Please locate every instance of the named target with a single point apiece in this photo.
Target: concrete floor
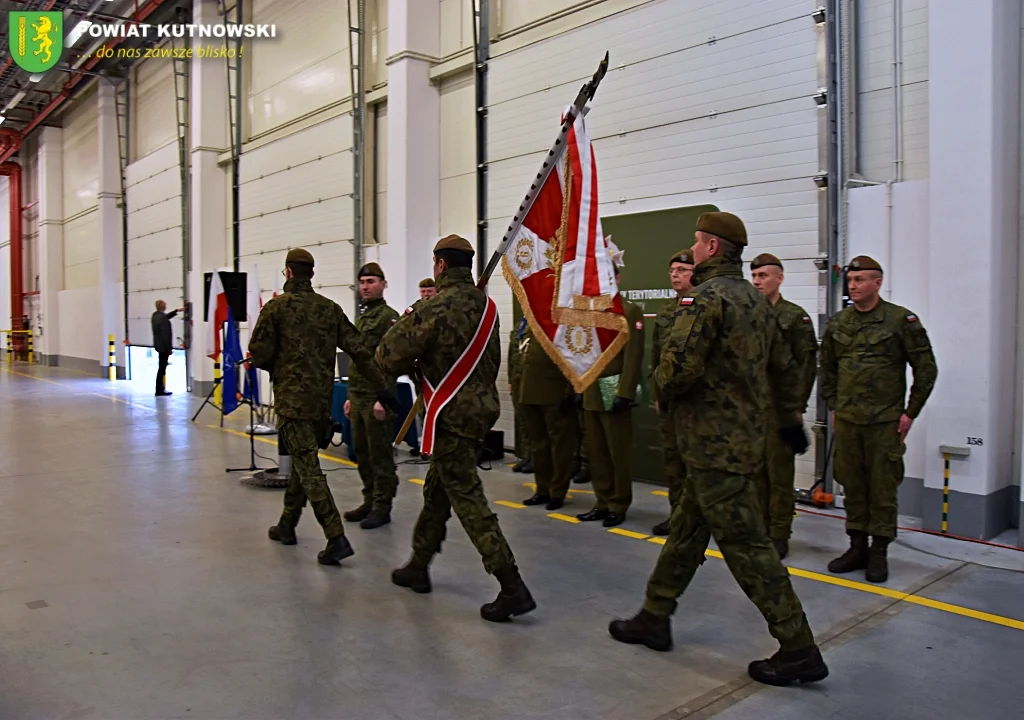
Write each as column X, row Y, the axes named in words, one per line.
column 138, row 582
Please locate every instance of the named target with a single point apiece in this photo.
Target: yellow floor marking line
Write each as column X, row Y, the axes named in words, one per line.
column 660, row 493
column 628, row 533
column 268, row 441
column 509, row 503
column 564, row 518
column 418, row 481
column 656, row 540
column 533, row 486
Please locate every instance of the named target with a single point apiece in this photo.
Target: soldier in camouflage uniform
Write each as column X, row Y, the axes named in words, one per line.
column 515, row 380
column 610, row 430
column 680, row 271
column 373, row 427
column 429, row 339
column 294, row 340
column 776, row 480
column 723, row 358
column 864, row 356
column 427, row 288
column 548, row 404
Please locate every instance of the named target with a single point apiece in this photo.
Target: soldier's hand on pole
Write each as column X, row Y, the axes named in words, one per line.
column 348, row 409
column 621, row 404
column 795, row 438
column 388, row 399
column 378, row 411
column 905, row 423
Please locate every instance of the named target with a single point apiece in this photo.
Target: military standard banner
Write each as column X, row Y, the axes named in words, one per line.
column 560, row 266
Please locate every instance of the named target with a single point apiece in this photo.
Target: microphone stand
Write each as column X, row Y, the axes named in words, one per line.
column 252, row 427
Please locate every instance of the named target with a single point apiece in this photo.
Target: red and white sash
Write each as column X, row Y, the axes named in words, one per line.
column 452, row 382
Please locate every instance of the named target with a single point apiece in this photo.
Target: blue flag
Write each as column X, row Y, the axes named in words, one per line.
column 232, row 356
column 251, row 388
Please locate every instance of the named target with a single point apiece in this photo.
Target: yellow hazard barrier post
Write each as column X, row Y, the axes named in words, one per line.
column 112, row 359
column 31, row 349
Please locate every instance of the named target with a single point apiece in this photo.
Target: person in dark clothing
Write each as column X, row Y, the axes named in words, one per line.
column 162, row 341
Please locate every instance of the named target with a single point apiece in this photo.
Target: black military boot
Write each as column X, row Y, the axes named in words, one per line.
column 784, row 668
column 782, row 548
column 878, row 562
column 527, row 468
column 537, row 499
column 661, row 528
column 644, row 628
column 582, row 477
column 283, row 533
column 360, row 513
column 518, row 467
column 376, row 518
column 514, row 598
column 338, row 548
column 856, row 558
column 414, row 576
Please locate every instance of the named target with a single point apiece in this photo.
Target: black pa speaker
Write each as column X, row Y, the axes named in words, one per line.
column 234, row 287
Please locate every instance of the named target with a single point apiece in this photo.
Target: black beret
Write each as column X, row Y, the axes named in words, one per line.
column 763, row 260
column 683, row 256
column 371, row 270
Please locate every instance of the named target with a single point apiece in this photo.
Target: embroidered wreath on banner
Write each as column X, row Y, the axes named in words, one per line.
column 579, row 340
column 524, row 253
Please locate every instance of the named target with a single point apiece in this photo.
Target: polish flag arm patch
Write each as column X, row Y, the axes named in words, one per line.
column 806, row 319
column 408, row 310
column 686, row 301
column 911, row 318
column 639, row 325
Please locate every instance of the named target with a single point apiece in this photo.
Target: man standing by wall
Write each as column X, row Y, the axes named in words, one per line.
column 462, row 405
column 548, row 404
column 776, row 482
column 294, row 340
column 163, row 342
column 721, row 361
column 680, row 272
column 608, row 418
column 372, row 425
column 864, row 356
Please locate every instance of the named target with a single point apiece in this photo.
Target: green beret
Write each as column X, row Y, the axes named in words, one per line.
column 683, row 256
column 724, row 225
column 371, row 270
column 763, row 260
column 863, row 262
column 427, row 282
column 455, row 242
column 300, row 256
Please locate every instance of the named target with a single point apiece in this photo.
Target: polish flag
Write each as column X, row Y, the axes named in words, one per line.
column 216, row 316
column 560, row 267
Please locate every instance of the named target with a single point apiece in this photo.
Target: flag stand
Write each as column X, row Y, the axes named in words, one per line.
column 252, row 435
column 216, row 384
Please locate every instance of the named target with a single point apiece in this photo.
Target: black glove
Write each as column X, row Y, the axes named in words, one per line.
column 569, row 403
column 579, row 401
column 795, row 438
column 621, row 404
column 389, row 400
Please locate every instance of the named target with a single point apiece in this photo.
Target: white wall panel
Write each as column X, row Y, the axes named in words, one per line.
column 458, row 157
column 456, row 26
column 377, row 34
column 297, row 192
column 513, row 14
column 80, row 157
column 381, row 208
column 80, row 323
column 875, row 102
column 154, row 241
column 153, row 107
column 82, row 251
column 678, row 121
column 304, row 68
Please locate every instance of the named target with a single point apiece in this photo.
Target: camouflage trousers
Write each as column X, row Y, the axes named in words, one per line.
column 307, row 480
column 372, row 441
column 675, row 468
column 775, row 486
column 609, row 443
column 869, row 466
column 521, row 439
column 724, row 506
column 452, row 483
column 553, row 437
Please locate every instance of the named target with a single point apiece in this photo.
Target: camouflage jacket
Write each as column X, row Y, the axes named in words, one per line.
column 513, row 364
column 432, row 335
column 864, row 358
column 375, row 321
column 295, row 339
column 798, row 331
column 721, row 362
column 629, row 362
column 543, row 382
column 663, row 322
